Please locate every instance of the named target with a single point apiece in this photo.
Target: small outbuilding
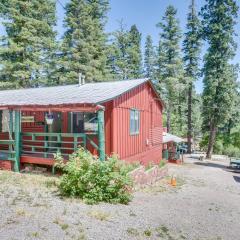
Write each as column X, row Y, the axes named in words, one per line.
column 171, row 147
column 122, row 117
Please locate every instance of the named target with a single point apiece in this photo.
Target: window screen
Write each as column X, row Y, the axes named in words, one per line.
column 134, row 121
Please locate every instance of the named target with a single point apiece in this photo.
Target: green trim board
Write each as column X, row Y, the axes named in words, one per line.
column 101, row 135
column 17, row 141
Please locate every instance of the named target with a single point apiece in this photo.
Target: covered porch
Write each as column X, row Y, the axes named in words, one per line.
column 33, row 134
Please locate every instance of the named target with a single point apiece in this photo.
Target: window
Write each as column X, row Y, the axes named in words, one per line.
column 82, row 122
column 76, row 122
column 5, row 121
column 134, row 121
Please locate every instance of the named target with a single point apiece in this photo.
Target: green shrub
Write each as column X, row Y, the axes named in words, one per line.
column 94, row 181
column 232, row 151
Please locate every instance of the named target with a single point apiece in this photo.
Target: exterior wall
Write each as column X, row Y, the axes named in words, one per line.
column 147, row 145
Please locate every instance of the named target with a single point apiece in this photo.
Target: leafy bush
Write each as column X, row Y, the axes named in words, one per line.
column 162, row 163
column 232, row 151
column 93, row 180
column 218, row 147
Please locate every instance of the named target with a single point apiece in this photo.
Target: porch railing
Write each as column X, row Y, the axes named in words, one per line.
column 46, row 144
column 7, row 150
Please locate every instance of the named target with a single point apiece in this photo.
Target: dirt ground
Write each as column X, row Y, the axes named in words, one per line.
column 205, row 205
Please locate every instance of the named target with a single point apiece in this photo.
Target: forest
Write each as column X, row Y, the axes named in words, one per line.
column 32, row 56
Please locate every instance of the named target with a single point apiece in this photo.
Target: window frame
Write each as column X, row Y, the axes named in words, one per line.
column 134, row 121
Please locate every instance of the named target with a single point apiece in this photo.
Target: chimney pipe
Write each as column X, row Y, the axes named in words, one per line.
column 79, row 79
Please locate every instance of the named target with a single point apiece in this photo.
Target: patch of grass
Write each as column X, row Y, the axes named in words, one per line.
column 163, row 232
column 133, row 231
column 20, row 212
column 64, row 226
column 81, row 237
column 33, row 235
column 50, row 183
column 99, row 215
column 147, row 233
column 183, row 237
column 162, row 163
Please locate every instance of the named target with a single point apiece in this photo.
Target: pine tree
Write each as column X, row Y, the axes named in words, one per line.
column 149, row 59
column 118, row 57
column 26, row 47
column 84, row 43
column 170, row 62
column 218, row 20
column 191, row 48
column 125, row 58
column 134, row 53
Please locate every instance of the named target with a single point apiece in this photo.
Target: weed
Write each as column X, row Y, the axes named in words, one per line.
column 147, row 233
column 33, row 234
column 50, row 183
column 132, row 231
column 20, row 212
column 99, row 215
column 183, row 237
column 162, row 163
column 64, row 226
column 59, row 222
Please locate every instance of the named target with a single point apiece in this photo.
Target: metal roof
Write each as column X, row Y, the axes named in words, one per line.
column 167, row 137
column 89, row 93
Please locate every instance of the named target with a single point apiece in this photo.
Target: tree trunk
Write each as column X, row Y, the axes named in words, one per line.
column 180, row 113
column 189, row 136
column 211, row 141
column 168, row 119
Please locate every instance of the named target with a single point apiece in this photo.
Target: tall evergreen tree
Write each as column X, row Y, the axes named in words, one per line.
column 171, row 71
column 149, row 59
column 218, row 20
column 119, row 59
column 125, row 58
column 26, row 48
column 84, row 43
column 191, row 48
column 134, row 52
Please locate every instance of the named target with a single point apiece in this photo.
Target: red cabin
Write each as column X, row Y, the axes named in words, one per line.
column 122, row 117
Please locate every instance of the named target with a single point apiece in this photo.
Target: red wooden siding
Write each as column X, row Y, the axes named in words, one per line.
column 147, row 145
column 144, row 147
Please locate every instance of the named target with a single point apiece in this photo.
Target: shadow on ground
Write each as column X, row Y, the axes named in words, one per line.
column 207, row 164
column 236, row 178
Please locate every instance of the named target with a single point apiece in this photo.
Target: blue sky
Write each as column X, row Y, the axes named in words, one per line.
column 145, row 14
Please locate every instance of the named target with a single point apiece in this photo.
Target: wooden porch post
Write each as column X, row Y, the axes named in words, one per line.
column 10, row 123
column 101, row 135
column 17, row 141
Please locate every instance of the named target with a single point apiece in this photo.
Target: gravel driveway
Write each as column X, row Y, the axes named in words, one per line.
column 204, row 206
